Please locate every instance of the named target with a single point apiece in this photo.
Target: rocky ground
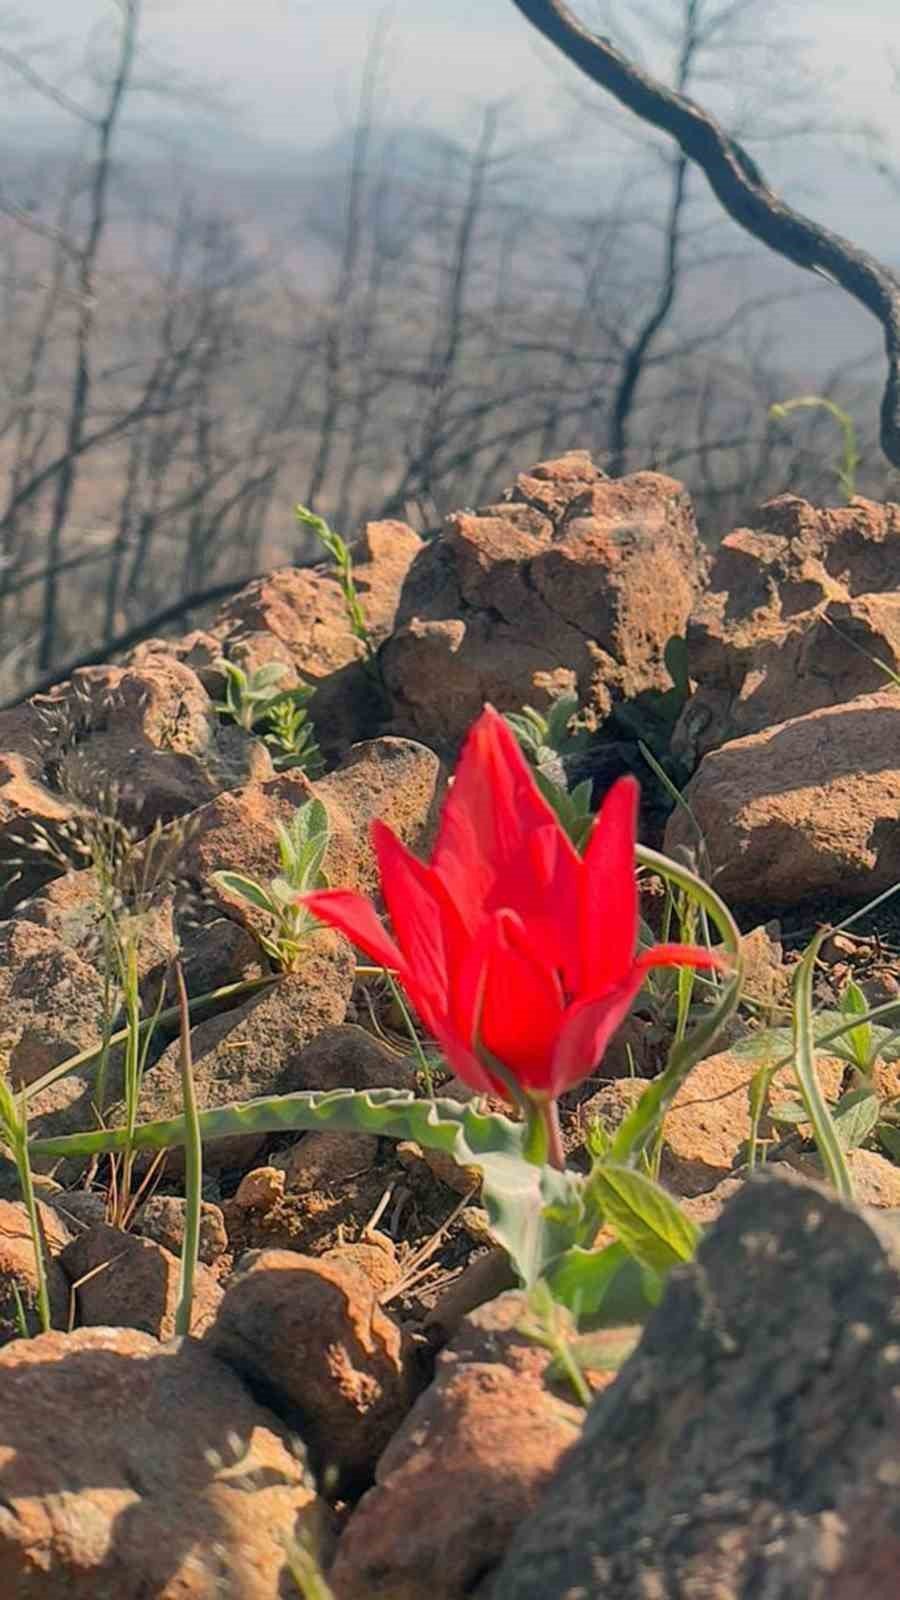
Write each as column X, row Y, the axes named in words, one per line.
column 358, row 1380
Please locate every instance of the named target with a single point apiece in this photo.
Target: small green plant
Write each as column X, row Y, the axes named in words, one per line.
column 550, row 740
column 257, row 705
column 845, row 471
column 302, row 847
column 339, row 551
column 14, row 1134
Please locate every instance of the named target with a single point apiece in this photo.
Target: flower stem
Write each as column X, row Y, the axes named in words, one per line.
column 556, row 1155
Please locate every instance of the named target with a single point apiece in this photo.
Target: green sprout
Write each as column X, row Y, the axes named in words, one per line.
column 850, row 458
column 253, row 701
column 301, row 848
column 341, row 556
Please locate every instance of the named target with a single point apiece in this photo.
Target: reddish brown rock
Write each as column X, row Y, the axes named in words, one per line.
column 124, row 1281
column 875, row 1179
column 326, row 1157
column 349, row 1057
column 162, row 1219
column 310, row 1332
column 18, row 1269
column 298, row 614
column 465, row 1470
column 256, row 1049
column 807, row 807
column 393, row 779
column 796, row 609
column 571, row 568
column 128, row 1471
column 708, row 1123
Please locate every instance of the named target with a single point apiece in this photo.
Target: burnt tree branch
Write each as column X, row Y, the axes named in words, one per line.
column 738, row 185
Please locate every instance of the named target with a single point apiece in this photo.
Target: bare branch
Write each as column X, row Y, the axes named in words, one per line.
column 738, row 185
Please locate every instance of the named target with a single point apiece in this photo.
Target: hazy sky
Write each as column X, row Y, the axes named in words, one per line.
column 293, row 67
column 292, row 63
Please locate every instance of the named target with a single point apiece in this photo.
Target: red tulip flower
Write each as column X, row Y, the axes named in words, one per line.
column 518, row 954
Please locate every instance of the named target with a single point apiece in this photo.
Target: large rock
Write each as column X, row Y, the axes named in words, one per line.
column 573, row 570
column 309, row 1334
column 297, row 615
column 130, row 1470
column 143, row 742
column 256, row 1049
column 797, row 607
column 397, row 780
column 751, row 1445
column 804, row 808
column 464, row 1471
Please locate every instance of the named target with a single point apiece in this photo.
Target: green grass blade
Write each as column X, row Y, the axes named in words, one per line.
column 193, row 1168
column 824, row 1131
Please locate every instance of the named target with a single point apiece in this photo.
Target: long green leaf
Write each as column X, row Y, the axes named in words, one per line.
column 516, row 1194
column 640, row 1126
column 824, row 1131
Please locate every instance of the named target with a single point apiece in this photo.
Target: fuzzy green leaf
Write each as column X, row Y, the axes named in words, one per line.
column 247, row 889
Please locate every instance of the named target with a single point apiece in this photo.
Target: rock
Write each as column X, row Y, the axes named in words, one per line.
column 260, row 1189
column 29, row 816
column 162, row 1219
column 51, row 1003
column 796, row 608
column 309, row 1334
column 393, row 779
column 124, row 1281
column 482, row 1279
column 326, row 1157
column 298, row 614
column 349, row 1057
column 443, row 1166
column 572, row 567
column 876, row 1180
column 465, row 1470
column 118, row 1478
column 751, row 1445
column 396, row 780
column 708, row 1122
column 79, row 1208
column 802, row 808
column 254, row 1050
column 18, row 1269
column 375, row 1257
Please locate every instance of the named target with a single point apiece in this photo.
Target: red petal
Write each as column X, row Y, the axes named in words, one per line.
column 425, row 921
column 680, row 955
column 354, row 915
column 522, row 1002
column 493, row 808
column 609, row 895
column 587, row 1029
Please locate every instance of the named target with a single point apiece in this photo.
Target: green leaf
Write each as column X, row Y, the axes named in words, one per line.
column 854, row 1004
column 649, row 1222
column 856, row 1117
column 824, row 1131
column 265, row 677
column 247, row 889
column 602, row 1288
column 789, row 1112
column 515, row 1193
column 599, row 1352
column 889, row 1138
